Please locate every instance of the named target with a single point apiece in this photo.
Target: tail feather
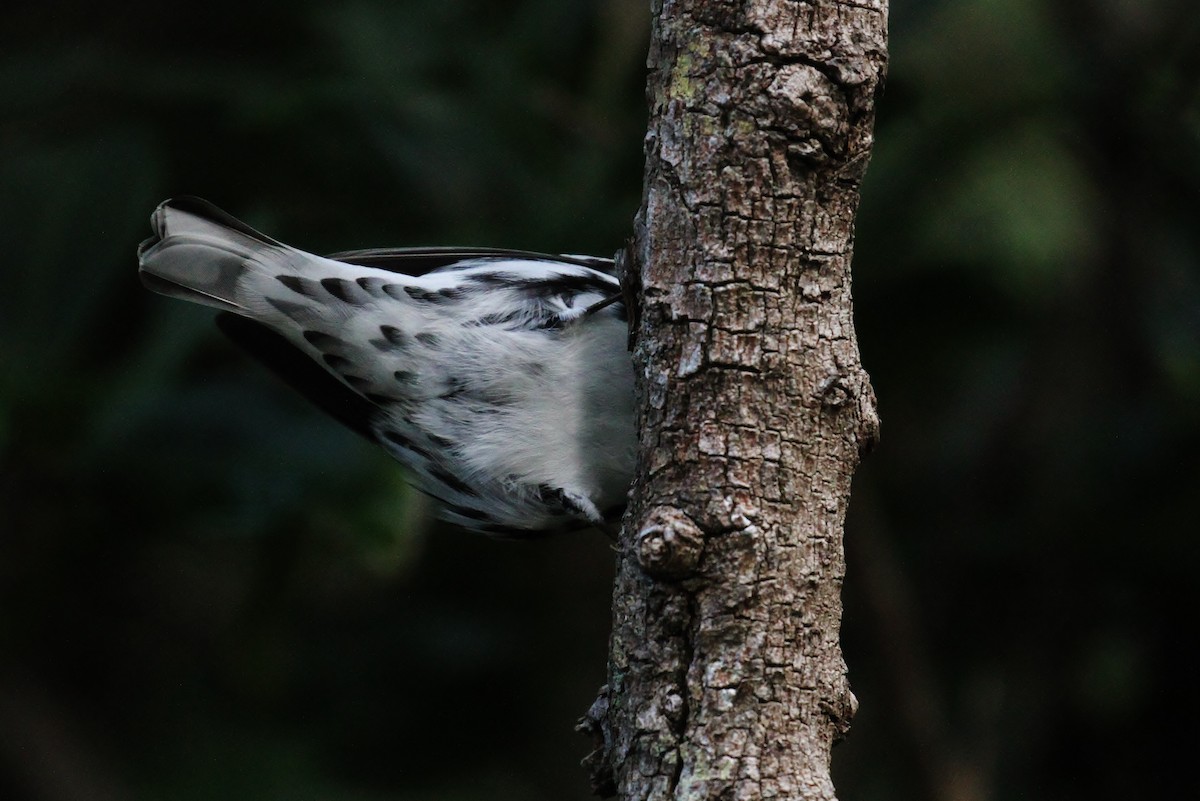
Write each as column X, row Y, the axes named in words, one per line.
column 199, row 253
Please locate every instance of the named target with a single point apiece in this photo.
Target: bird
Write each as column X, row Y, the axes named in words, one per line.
column 501, row 379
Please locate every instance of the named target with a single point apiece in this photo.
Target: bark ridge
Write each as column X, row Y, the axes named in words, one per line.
column 726, row 678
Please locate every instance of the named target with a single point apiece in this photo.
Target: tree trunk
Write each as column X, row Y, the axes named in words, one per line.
column 726, row 678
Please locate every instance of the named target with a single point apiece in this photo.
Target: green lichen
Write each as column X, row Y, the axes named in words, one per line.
column 683, row 84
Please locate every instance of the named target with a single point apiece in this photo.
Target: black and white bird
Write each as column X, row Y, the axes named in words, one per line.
column 499, row 378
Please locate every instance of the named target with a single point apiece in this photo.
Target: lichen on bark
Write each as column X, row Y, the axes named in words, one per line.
column 726, row 678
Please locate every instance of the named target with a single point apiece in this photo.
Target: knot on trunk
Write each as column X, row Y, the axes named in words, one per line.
column 812, row 109
column 669, row 544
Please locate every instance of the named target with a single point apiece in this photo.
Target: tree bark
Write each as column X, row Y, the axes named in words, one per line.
column 726, row 678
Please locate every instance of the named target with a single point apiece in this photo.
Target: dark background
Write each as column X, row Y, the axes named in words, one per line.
column 209, row 591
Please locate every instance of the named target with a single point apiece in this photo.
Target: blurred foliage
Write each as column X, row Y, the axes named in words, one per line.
column 207, row 590
column 1028, row 300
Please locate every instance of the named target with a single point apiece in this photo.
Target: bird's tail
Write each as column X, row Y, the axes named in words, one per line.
column 199, row 253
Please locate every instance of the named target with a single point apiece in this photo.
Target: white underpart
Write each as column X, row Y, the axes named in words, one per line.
column 508, row 410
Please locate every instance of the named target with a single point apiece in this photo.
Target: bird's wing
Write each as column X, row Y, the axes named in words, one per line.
column 424, row 260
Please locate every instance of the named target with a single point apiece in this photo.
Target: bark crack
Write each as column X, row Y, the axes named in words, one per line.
column 726, row 678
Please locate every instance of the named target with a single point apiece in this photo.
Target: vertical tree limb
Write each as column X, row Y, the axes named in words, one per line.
column 726, row 677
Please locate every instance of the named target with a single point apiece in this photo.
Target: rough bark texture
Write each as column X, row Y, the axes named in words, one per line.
column 726, row 678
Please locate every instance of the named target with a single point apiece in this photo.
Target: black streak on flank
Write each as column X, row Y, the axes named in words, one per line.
column 498, row 318
column 321, row 341
column 428, row 339
column 339, row 288
column 295, row 283
column 338, row 363
column 396, row 437
column 393, row 335
column 454, row 386
column 404, row 442
column 393, row 339
column 433, row 296
column 370, row 284
column 403, row 376
column 467, row 512
column 452, row 481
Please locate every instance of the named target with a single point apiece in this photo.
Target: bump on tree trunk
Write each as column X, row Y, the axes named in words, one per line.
column 726, row 678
